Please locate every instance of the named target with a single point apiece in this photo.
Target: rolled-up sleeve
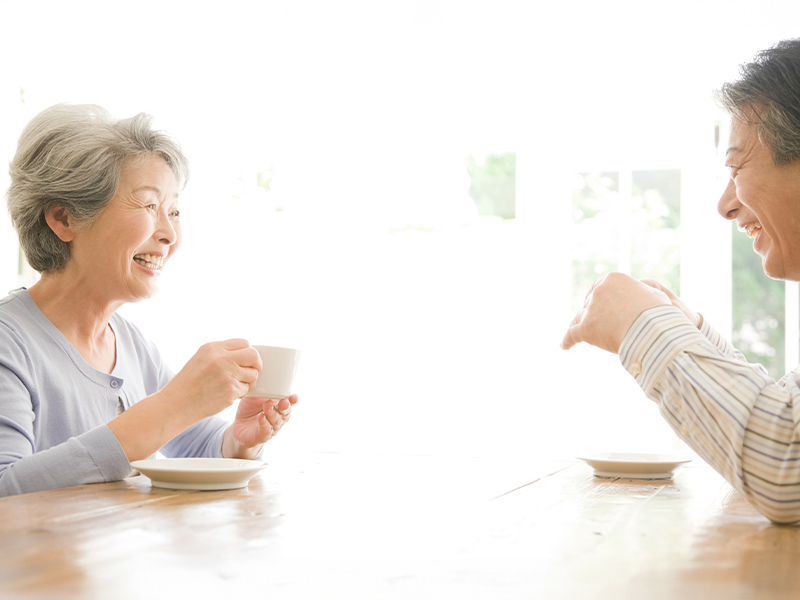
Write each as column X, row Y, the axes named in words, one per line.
column 741, row 421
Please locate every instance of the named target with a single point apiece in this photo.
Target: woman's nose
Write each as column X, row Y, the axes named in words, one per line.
column 166, row 233
column 729, row 205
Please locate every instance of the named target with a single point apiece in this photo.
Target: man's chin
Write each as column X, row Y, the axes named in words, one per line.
column 776, row 272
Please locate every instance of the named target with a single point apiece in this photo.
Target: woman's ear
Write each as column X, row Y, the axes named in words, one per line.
column 60, row 222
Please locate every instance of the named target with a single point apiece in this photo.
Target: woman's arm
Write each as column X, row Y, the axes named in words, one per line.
column 45, row 452
column 213, row 379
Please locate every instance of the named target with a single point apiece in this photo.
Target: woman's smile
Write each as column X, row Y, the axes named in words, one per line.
column 151, row 262
column 135, row 234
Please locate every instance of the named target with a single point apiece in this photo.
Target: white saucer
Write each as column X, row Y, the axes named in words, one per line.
column 633, row 466
column 198, row 473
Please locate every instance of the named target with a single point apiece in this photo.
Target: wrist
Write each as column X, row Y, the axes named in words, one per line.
column 231, row 448
column 146, row 426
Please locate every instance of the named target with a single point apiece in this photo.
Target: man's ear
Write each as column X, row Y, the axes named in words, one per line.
column 60, row 221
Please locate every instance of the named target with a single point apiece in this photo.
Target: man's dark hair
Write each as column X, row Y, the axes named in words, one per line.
column 767, row 95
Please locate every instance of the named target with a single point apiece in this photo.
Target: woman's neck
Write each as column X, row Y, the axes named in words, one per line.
column 80, row 314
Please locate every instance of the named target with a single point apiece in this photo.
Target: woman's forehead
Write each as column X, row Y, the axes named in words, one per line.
column 149, row 173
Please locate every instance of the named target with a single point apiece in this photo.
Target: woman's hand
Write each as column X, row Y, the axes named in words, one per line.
column 214, row 378
column 257, row 421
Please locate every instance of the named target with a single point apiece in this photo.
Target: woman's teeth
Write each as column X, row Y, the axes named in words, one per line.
column 150, row 261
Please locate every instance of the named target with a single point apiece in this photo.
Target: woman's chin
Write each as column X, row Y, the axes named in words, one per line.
column 143, row 293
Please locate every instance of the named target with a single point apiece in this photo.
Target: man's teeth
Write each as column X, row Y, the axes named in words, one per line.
column 752, row 230
column 149, row 260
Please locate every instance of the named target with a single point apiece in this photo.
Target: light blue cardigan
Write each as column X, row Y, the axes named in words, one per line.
column 54, row 407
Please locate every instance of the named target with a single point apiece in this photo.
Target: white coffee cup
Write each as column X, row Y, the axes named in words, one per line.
column 277, row 375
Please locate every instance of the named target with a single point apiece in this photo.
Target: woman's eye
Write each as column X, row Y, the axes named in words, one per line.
column 175, row 214
column 151, row 207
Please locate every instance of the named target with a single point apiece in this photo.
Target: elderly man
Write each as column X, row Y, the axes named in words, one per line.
column 730, row 412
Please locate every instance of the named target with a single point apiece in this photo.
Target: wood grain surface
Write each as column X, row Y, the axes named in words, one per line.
column 369, row 526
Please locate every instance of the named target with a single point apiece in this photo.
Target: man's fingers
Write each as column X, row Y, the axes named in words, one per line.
column 572, row 336
column 567, row 342
column 596, row 282
column 660, row 287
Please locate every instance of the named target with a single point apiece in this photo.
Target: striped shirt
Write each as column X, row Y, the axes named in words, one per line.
column 729, row 411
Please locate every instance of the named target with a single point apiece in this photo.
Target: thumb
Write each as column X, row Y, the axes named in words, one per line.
column 573, row 334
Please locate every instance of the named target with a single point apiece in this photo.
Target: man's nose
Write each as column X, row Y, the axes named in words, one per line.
column 729, row 205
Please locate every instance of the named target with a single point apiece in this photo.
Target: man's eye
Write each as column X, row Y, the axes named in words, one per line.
column 175, row 214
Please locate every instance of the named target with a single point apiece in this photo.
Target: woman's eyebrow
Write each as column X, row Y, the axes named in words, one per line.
column 150, row 188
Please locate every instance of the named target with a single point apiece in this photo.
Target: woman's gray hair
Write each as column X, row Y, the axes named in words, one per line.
column 71, row 155
column 770, row 88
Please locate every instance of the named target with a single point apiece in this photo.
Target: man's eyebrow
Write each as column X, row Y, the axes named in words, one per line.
column 731, row 149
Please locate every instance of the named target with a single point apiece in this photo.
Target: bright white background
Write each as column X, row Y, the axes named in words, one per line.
column 424, row 328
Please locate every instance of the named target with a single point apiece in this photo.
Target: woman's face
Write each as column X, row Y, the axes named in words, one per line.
column 125, row 249
column 764, row 199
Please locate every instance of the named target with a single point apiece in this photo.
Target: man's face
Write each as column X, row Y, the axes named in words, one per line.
column 764, row 198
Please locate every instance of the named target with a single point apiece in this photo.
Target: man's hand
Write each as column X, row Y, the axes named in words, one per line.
column 610, row 308
column 694, row 317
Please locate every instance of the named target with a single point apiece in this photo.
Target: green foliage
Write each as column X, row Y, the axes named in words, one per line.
column 758, row 309
column 493, row 184
column 659, row 194
column 264, row 178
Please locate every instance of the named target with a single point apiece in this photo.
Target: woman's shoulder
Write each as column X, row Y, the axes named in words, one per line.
column 128, row 332
column 15, row 314
column 14, row 302
column 125, row 326
column 22, row 331
column 132, row 339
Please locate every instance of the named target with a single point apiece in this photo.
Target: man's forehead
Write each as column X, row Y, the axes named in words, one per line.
column 742, row 137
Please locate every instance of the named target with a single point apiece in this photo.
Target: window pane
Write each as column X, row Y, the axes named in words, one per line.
column 655, row 244
column 595, row 247
column 758, row 309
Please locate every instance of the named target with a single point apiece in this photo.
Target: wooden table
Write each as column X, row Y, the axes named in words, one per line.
column 408, row 527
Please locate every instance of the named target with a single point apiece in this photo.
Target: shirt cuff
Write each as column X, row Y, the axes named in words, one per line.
column 656, row 337
column 108, row 456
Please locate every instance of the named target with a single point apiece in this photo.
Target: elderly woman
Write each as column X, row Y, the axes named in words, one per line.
column 94, row 201
column 730, row 412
